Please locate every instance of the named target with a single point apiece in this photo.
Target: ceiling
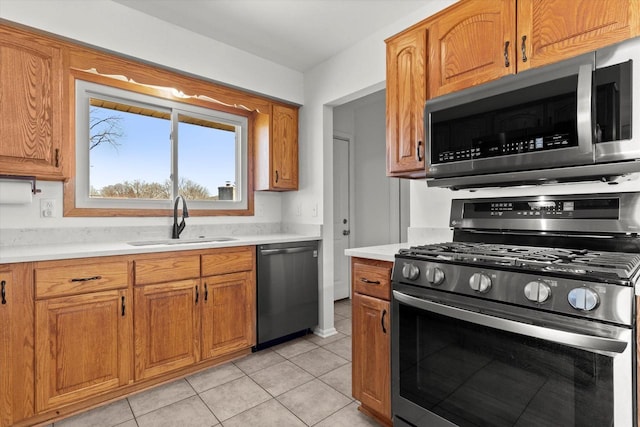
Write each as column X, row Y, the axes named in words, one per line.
column 298, row 34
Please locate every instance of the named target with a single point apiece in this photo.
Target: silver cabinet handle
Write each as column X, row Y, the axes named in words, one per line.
column 571, row 339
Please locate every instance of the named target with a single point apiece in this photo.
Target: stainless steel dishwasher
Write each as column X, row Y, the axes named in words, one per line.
column 287, row 291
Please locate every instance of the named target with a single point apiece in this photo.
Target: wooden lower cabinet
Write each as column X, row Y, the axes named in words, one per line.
column 83, row 329
column 16, row 343
column 371, row 337
column 83, row 346
column 166, row 327
column 228, row 313
column 372, row 353
column 76, row 333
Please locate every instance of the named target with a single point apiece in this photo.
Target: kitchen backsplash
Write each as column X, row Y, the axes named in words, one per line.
column 44, row 236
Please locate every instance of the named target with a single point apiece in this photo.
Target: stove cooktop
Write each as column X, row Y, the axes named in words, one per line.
column 598, row 264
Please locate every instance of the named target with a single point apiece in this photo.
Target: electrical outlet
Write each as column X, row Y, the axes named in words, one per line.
column 47, row 208
column 314, row 210
column 298, row 209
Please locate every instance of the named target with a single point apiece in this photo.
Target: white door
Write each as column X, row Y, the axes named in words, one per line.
column 341, row 220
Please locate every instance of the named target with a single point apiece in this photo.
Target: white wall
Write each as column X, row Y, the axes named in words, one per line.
column 115, row 27
column 375, row 197
column 353, row 73
column 111, row 26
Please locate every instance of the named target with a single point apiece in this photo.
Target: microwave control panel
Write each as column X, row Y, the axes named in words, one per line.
column 502, row 145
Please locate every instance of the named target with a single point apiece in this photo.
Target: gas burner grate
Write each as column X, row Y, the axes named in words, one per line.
column 573, row 261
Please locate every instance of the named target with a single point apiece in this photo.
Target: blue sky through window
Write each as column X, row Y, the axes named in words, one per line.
column 206, row 155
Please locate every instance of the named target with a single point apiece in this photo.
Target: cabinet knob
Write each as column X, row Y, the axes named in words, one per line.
column 523, row 47
column 3, row 285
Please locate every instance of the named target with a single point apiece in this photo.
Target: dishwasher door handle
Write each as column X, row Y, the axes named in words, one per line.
column 295, row 250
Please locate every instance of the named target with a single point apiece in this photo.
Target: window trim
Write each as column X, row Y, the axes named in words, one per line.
column 157, row 97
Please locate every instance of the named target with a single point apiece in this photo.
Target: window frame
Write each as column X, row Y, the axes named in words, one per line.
column 161, row 98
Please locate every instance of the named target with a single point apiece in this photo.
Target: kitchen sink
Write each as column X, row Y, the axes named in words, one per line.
column 181, row 241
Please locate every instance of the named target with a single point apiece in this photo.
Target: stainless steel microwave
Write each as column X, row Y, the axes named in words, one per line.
column 568, row 121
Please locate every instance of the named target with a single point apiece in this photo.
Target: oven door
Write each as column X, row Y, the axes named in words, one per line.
column 454, row 364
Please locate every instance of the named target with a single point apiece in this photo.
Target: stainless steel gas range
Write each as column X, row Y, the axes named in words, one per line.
column 526, row 318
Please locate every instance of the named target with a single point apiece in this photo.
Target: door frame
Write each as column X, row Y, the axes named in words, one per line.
column 348, row 138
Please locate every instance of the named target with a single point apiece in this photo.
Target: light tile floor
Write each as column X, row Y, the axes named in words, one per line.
column 304, row 382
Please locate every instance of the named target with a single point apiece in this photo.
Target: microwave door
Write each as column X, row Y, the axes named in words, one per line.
column 539, row 119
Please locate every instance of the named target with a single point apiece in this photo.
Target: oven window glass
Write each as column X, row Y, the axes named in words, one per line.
column 473, row 375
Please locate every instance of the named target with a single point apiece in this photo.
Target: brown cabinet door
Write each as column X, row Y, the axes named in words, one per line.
column 406, row 94
column 30, row 106
column 472, row 43
column 83, row 346
column 284, row 149
column 372, row 353
column 167, row 327
column 16, row 344
column 554, row 30
column 228, row 316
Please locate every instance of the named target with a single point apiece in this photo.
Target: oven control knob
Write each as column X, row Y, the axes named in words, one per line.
column 435, row 275
column 410, row 271
column 584, row 299
column 480, row 282
column 537, row 291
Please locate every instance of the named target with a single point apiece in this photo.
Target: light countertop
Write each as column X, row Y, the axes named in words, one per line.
column 27, row 253
column 381, row 253
column 420, row 236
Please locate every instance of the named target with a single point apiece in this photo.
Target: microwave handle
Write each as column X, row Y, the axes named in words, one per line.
column 584, row 108
column 602, row 345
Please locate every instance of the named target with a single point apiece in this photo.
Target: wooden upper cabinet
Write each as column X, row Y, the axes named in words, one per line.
column 474, row 42
column 471, row 43
column 552, row 30
column 285, row 148
column 276, row 149
column 406, row 95
column 30, row 106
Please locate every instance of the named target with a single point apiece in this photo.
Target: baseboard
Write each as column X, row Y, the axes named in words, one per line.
column 324, row 333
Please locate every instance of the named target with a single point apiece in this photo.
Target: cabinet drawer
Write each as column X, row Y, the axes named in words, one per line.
column 371, row 277
column 228, row 260
column 166, row 268
column 79, row 276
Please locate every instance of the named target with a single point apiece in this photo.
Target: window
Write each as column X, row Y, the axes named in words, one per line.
column 136, row 151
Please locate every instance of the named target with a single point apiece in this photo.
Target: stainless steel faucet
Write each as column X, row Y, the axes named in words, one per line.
column 177, row 228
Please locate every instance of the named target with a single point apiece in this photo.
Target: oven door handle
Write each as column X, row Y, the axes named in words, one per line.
column 590, row 343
